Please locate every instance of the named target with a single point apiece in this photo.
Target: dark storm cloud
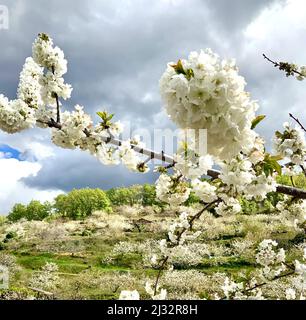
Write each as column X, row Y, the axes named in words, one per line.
column 117, row 51
column 80, row 170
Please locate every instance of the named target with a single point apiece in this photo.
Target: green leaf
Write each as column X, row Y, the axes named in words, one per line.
column 102, row 115
column 276, row 158
column 278, row 135
column 179, row 69
column 278, row 168
column 110, row 117
column 189, row 74
column 257, row 120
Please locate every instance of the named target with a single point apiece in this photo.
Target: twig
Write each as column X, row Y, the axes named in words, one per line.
column 164, row 261
column 282, row 66
column 298, row 121
column 191, row 221
column 264, row 283
column 58, row 114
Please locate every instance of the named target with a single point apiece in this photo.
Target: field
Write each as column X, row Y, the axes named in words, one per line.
column 106, row 252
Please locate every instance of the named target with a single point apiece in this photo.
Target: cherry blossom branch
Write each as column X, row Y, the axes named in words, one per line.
column 291, row 191
column 179, row 236
column 284, row 66
column 265, row 283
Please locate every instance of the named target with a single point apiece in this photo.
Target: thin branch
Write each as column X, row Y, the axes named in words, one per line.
column 291, row 191
column 191, row 222
column 264, row 283
column 304, row 169
column 282, row 66
column 164, row 261
column 298, row 121
column 58, row 113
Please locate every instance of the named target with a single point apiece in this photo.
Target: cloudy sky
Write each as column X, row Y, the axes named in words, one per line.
column 117, row 51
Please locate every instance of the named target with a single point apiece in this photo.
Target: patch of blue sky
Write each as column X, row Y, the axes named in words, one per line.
column 8, row 152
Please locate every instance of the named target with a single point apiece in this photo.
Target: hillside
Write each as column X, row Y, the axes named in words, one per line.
column 104, row 253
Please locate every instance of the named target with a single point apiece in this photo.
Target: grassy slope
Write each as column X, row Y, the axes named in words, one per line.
column 82, row 259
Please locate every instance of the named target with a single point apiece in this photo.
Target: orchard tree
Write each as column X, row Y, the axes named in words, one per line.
column 200, row 92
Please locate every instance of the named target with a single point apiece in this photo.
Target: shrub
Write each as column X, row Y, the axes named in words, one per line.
column 149, row 196
column 2, row 220
column 18, row 212
column 81, row 203
column 34, row 211
column 143, row 195
column 125, row 196
column 37, row 210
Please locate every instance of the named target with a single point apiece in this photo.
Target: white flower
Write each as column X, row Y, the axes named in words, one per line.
column 29, row 88
column 204, row 190
column 290, row 294
column 160, row 294
column 291, row 144
column 229, row 206
column 15, row 115
column 169, row 190
column 49, row 57
column 129, row 295
column 204, row 92
column 108, row 155
column 270, row 259
column 72, row 130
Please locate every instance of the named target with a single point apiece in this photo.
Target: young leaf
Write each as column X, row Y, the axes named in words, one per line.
column 257, row 120
column 179, row 69
column 276, row 158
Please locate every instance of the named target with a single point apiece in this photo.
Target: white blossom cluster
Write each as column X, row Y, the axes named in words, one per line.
column 293, row 212
column 270, row 259
column 177, row 230
column 29, row 89
column 72, row 133
column 160, row 294
column 47, row 278
column 239, row 174
column 204, row 190
column 53, row 60
column 273, row 265
column 228, row 206
column 129, row 295
column 172, row 189
column 291, row 144
column 204, row 92
column 15, row 115
column 36, row 89
column 48, row 56
column 190, row 164
column 299, row 281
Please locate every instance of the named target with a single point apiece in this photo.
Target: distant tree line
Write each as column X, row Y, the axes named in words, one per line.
column 79, row 204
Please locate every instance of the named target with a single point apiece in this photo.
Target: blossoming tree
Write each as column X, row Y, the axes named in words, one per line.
column 201, row 92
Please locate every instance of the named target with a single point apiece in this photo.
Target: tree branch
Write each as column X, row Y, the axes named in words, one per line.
column 285, row 66
column 265, row 283
column 58, row 113
column 291, row 191
column 191, row 222
column 298, row 121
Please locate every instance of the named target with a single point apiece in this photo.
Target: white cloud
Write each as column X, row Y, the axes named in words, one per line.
column 277, row 31
column 12, row 190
